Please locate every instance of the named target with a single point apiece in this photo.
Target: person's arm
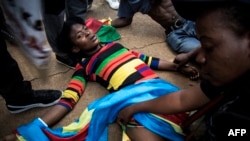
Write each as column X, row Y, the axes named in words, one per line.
column 156, row 63
column 167, row 65
column 183, row 58
column 187, row 70
column 71, row 95
column 54, row 115
column 181, row 101
column 159, row 64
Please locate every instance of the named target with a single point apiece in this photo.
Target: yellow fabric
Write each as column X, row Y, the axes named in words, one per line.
column 20, row 138
column 83, row 121
column 125, row 136
column 176, row 127
column 106, row 21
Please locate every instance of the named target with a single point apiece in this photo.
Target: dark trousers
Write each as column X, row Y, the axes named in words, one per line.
column 54, row 19
column 12, row 86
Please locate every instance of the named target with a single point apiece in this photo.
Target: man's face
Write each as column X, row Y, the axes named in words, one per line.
column 224, row 55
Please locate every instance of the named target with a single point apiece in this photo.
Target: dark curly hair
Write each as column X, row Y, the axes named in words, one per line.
column 64, row 42
column 235, row 12
column 236, row 16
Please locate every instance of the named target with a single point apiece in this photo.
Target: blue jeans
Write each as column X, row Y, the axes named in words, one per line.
column 183, row 39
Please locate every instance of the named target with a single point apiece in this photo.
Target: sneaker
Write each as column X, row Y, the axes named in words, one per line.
column 67, row 61
column 39, row 98
column 121, row 22
column 114, row 4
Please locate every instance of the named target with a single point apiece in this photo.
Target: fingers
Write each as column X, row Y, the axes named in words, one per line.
column 190, row 71
column 194, row 77
column 194, row 74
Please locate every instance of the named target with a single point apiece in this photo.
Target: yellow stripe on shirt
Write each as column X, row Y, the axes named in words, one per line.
column 123, row 73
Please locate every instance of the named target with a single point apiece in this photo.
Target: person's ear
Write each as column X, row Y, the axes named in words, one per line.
column 75, row 49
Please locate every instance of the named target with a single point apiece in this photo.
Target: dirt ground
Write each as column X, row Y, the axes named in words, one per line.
column 143, row 35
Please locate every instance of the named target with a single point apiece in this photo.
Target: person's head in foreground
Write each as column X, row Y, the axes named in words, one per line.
column 223, row 27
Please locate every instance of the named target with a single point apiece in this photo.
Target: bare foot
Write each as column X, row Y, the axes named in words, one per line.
column 190, row 71
column 11, row 137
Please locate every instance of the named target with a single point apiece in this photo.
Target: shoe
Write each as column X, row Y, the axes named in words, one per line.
column 67, row 61
column 121, row 22
column 114, row 4
column 39, row 98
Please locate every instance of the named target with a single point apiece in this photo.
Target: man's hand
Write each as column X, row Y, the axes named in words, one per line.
column 181, row 59
column 190, row 72
column 125, row 115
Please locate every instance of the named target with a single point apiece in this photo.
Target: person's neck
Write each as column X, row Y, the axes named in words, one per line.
column 91, row 52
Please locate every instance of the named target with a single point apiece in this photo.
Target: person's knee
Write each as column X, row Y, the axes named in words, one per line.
column 181, row 43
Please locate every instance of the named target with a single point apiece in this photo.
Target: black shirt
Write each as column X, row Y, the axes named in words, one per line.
column 231, row 116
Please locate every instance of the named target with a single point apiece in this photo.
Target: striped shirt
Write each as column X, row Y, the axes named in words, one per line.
column 114, row 67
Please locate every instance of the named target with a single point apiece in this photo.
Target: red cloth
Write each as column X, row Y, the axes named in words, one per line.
column 93, row 24
column 81, row 135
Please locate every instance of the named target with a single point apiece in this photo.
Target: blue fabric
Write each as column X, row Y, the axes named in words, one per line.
column 109, row 106
column 33, row 131
column 106, row 110
column 154, row 124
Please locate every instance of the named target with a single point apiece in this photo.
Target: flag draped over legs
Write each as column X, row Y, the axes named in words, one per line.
column 93, row 123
